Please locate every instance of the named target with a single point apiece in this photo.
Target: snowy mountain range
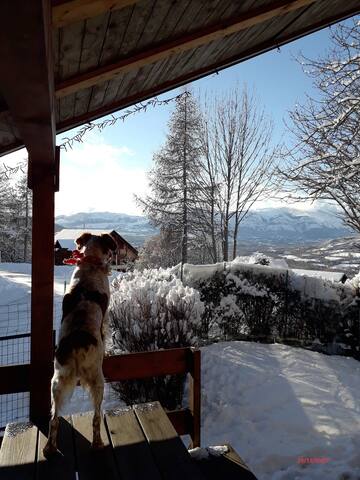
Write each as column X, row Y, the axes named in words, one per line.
column 269, row 225
column 289, row 225
column 135, row 229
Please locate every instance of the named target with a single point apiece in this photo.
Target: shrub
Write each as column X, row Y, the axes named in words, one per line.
column 153, row 310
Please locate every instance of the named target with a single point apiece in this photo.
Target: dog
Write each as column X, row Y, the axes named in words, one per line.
column 81, row 346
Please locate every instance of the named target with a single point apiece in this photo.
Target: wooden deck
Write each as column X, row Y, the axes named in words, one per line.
column 140, row 443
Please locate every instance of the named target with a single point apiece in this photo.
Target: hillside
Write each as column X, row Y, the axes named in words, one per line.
column 270, row 226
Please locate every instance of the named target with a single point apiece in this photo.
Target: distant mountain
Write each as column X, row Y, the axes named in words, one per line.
column 287, row 225
column 270, row 225
column 135, row 229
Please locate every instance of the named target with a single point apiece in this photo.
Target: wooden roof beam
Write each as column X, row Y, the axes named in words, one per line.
column 179, row 45
column 201, row 72
column 67, row 12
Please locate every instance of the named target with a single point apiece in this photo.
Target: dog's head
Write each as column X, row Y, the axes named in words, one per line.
column 101, row 246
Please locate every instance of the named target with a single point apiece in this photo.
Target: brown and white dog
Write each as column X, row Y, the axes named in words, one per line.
column 80, row 351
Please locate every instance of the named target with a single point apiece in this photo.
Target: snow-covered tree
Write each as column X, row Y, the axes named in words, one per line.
column 15, row 216
column 170, row 205
column 237, row 165
column 162, row 250
column 21, row 218
column 323, row 161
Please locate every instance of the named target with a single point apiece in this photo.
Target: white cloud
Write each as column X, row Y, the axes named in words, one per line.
column 95, row 176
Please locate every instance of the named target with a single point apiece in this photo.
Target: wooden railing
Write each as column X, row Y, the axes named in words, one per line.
column 133, row 366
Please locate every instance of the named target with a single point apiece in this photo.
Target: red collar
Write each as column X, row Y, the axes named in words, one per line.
column 90, row 259
column 79, row 258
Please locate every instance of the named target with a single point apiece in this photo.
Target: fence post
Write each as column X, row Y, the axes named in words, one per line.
column 195, row 397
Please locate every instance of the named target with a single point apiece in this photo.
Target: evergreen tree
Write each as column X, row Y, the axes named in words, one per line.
column 171, row 204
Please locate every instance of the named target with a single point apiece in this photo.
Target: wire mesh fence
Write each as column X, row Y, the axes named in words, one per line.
column 14, row 319
column 15, row 340
column 15, row 349
column 15, row 337
column 14, row 407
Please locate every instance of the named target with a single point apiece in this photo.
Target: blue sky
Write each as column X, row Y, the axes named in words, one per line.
column 106, row 170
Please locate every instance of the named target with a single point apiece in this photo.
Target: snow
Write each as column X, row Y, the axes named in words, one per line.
column 204, row 453
column 332, row 276
column 290, row 413
column 15, row 295
column 277, row 405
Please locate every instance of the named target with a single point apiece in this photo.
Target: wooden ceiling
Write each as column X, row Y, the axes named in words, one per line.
column 109, row 54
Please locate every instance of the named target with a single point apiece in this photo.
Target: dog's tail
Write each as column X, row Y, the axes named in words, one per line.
column 73, row 341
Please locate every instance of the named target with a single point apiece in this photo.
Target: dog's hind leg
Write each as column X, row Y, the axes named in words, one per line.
column 97, row 392
column 61, row 386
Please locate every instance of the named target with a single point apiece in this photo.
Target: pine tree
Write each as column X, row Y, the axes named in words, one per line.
column 171, row 204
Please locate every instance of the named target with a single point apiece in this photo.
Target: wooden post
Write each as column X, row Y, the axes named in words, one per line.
column 27, row 84
column 195, row 397
column 42, row 277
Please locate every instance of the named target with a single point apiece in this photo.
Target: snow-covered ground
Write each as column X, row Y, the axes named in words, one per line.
column 15, row 293
column 275, row 404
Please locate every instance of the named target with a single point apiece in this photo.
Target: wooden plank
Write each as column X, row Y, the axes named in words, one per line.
column 65, row 13
column 115, row 35
column 136, row 26
column 69, row 57
column 160, row 11
column 118, row 23
column 132, row 453
column 62, row 465
column 171, row 456
column 146, row 364
column 168, row 27
column 168, row 84
column 178, row 45
column 93, row 42
column 92, row 464
column 18, row 452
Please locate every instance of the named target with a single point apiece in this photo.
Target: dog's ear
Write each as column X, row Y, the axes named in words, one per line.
column 82, row 240
column 107, row 242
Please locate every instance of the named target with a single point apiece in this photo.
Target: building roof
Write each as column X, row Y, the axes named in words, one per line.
column 108, row 55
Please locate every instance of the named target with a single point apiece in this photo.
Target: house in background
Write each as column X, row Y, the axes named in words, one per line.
column 65, row 244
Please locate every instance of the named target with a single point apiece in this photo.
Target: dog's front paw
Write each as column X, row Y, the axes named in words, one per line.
column 49, row 450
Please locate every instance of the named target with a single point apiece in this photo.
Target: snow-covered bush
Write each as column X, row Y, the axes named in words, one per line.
column 263, row 302
column 153, row 310
column 238, row 305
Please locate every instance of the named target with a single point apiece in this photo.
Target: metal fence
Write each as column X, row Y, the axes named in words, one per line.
column 15, row 338
column 14, row 319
